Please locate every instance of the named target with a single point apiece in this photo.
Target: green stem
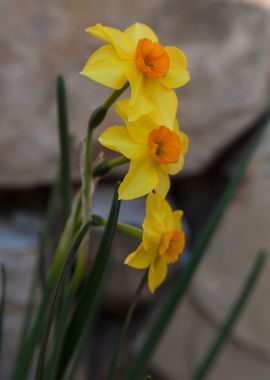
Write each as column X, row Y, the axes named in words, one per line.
column 114, row 96
column 67, row 237
column 232, row 318
column 99, row 114
column 116, row 354
column 55, row 300
column 87, row 172
column 122, row 227
column 129, row 230
column 64, row 139
column 43, row 237
column 105, row 166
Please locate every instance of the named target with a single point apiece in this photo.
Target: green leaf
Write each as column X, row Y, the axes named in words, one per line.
column 42, row 240
column 99, row 114
column 67, row 238
column 3, row 280
column 113, row 366
column 64, row 138
column 27, row 346
column 85, row 311
column 182, row 283
column 56, row 298
column 231, row 319
column 60, row 331
column 29, row 340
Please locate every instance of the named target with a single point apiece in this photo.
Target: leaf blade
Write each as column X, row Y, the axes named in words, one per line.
column 184, row 280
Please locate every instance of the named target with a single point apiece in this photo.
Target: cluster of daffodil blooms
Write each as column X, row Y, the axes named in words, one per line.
column 55, row 336
column 151, row 139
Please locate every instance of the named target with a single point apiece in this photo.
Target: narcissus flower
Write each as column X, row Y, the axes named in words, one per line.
column 155, row 151
column 152, row 70
column 163, row 240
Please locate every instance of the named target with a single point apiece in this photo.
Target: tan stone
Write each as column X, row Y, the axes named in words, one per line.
column 187, row 340
column 243, row 232
column 226, row 44
column 18, row 249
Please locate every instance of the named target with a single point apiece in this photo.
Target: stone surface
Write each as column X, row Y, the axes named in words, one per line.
column 186, row 342
column 229, row 66
column 243, row 232
column 262, row 3
column 18, row 249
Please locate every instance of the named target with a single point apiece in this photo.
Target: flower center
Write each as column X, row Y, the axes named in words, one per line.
column 171, row 245
column 151, row 58
column 164, row 145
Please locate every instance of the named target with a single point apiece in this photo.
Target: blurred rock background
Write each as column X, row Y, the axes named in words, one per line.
column 227, row 45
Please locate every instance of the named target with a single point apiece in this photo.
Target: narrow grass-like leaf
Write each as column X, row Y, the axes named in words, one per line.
column 182, row 283
column 86, row 177
column 61, row 328
column 42, row 240
column 29, row 340
column 56, row 297
column 121, row 340
column 86, row 309
column 64, row 138
column 27, row 348
column 231, row 319
column 67, row 237
column 3, row 280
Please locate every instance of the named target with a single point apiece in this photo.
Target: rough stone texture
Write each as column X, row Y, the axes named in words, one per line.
column 262, row 3
column 17, row 250
column 186, row 342
column 224, row 41
column 243, row 232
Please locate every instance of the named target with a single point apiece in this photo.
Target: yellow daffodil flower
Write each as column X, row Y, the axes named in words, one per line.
column 163, row 240
column 155, row 152
column 152, row 70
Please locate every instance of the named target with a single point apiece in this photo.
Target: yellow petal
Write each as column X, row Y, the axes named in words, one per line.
column 164, row 102
column 178, row 166
column 138, row 129
column 156, row 274
column 105, row 67
column 141, row 258
column 140, row 179
column 184, row 141
column 177, row 219
column 140, row 103
column 163, row 183
column 178, row 74
column 176, row 126
column 119, row 140
column 116, row 37
column 154, row 225
column 137, row 31
column 121, row 108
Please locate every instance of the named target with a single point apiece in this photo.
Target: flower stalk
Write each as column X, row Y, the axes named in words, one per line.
column 105, row 167
column 122, row 227
column 99, row 113
column 121, row 340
